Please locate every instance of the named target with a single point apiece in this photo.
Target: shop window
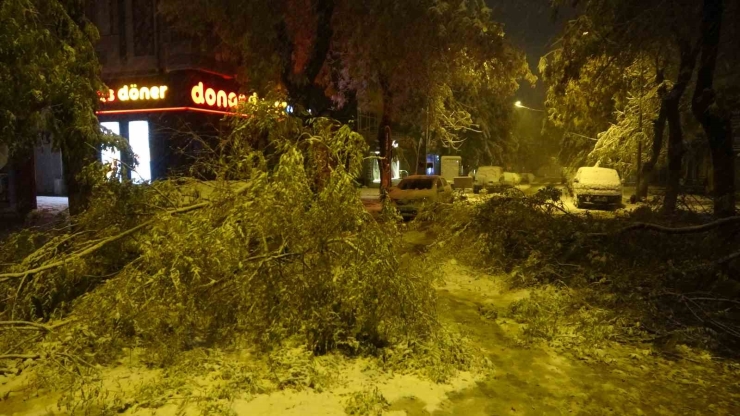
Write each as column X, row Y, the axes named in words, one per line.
column 376, row 171
column 138, row 132
column 111, row 156
column 395, row 170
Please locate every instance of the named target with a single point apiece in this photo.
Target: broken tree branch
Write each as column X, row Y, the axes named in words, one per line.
column 25, row 325
column 19, row 356
column 34, row 325
column 669, row 230
column 8, row 276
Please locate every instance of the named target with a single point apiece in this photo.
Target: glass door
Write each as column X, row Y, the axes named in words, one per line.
column 138, row 138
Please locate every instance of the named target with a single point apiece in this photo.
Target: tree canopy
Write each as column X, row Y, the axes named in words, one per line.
column 404, row 60
column 620, row 70
column 50, row 76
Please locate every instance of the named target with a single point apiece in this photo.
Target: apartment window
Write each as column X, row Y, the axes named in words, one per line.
column 144, row 27
column 113, row 10
column 119, row 17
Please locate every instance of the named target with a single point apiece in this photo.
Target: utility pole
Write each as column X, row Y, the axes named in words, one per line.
column 421, row 159
column 422, row 165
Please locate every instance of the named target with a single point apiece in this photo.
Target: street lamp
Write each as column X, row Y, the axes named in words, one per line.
column 519, row 104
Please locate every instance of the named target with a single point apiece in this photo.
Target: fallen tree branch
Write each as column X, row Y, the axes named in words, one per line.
column 707, row 267
column 27, row 324
column 34, row 325
column 728, row 258
column 19, row 357
column 33, row 337
column 12, row 371
column 669, row 230
column 8, row 276
column 264, row 257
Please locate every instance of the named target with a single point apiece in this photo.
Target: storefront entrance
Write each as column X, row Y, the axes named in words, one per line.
column 137, row 133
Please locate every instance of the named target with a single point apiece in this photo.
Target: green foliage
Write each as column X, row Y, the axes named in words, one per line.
column 590, row 71
column 617, row 145
column 569, row 319
column 49, row 60
column 281, row 43
column 439, row 358
column 514, row 228
column 368, row 53
column 466, row 68
column 277, row 249
column 600, row 284
column 366, row 403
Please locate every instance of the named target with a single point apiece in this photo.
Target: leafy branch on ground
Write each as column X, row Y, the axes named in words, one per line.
column 268, row 242
column 636, row 277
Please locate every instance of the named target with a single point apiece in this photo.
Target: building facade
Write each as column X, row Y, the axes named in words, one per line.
column 164, row 91
column 164, row 88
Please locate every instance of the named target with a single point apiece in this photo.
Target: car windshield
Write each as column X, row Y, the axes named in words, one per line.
column 416, row 183
column 599, row 176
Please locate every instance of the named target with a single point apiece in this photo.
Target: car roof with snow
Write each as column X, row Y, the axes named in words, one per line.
column 597, row 175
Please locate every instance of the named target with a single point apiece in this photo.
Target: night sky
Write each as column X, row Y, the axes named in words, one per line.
column 529, row 24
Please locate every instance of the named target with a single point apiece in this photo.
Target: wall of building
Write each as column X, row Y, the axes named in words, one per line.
column 136, row 48
column 135, row 40
column 49, row 171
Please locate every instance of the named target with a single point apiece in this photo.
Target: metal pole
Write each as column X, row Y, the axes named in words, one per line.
column 639, row 137
column 426, row 142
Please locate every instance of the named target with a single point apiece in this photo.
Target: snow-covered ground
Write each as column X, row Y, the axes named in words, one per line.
column 52, row 204
column 536, row 379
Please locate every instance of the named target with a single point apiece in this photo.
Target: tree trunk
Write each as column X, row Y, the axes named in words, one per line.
column 716, row 123
column 675, row 133
column 658, row 130
column 420, row 164
column 675, row 155
column 384, row 140
column 74, row 159
column 302, row 89
column 384, row 137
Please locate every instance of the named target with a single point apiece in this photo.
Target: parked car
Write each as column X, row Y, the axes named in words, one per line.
column 510, row 179
column 488, row 177
column 401, row 174
column 527, row 178
column 415, row 190
column 593, row 185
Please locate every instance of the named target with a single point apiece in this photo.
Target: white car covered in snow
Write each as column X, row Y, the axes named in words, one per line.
column 593, row 185
column 511, row 179
column 415, row 190
column 488, row 178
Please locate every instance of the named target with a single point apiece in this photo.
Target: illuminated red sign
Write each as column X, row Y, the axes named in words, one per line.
column 186, row 90
column 203, row 95
column 134, row 93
